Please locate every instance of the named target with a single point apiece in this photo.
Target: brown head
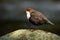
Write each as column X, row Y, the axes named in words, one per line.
column 30, row 10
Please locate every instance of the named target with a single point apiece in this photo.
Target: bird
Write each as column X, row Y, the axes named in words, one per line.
column 36, row 17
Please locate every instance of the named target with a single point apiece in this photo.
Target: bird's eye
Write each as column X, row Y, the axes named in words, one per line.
column 27, row 10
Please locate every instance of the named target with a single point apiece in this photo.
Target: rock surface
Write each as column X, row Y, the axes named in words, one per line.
column 26, row 34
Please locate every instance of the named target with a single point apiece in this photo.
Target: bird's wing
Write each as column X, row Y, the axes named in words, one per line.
column 38, row 15
column 35, row 17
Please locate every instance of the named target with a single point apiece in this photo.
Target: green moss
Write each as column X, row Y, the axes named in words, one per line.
column 24, row 34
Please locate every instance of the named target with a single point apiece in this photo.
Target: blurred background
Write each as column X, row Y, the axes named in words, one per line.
column 13, row 17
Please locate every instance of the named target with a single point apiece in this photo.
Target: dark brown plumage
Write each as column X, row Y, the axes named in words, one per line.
column 36, row 17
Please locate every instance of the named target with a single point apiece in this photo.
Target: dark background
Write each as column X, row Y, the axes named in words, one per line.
column 13, row 17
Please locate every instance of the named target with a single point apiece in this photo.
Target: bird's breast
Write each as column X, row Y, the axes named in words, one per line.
column 28, row 14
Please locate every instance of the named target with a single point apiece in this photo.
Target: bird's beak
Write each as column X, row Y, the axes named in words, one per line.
column 24, row 9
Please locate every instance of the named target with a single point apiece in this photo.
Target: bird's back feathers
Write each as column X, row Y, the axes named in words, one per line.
column 40, row 17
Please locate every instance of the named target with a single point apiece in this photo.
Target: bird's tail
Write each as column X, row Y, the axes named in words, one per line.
column 50, row 23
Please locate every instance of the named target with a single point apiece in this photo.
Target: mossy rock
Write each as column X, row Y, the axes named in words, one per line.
column 25, row 34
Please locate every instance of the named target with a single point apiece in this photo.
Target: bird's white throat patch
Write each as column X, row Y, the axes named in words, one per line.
column 28, row 14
